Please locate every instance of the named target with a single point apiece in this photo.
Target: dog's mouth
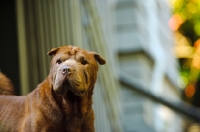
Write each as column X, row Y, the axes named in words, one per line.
column 67, row 86
column 64, row 84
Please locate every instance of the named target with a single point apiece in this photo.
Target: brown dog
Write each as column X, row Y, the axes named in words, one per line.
column 62, row 103
column 6, row 87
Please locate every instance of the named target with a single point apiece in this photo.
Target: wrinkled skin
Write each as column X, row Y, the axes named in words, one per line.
column 62, row 103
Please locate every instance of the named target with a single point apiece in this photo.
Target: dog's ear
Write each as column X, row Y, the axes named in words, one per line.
column 99, row 59
column 53, row 51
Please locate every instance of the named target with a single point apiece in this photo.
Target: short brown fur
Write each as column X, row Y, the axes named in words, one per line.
column 62, row 102
column 6, row 86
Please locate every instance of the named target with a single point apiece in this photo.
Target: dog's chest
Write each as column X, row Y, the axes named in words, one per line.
column 73, row 121
column 74, row 113
column 75, row 106
column 75, row 110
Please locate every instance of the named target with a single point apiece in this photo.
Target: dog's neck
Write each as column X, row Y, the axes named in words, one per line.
column 72, row 108
column 76, row 105
column 75, row 109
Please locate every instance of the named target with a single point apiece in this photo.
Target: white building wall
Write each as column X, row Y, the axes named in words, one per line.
column 142, row 30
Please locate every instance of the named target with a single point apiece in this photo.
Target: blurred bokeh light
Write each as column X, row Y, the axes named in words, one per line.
column 185, row 22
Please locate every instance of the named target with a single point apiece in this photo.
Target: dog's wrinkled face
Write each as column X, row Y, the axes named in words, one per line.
column 73, row 69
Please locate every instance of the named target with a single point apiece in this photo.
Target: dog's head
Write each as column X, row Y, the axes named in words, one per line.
column 73, row 69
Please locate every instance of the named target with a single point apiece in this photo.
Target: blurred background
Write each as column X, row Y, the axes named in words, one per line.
column 151, row 80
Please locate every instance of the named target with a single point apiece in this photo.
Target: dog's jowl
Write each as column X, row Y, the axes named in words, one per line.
column 62, row 102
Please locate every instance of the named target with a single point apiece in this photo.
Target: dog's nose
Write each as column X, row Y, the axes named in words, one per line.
column 67, row 70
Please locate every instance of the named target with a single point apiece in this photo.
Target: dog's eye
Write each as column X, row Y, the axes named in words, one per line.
column 59, row 61
column 84, row 62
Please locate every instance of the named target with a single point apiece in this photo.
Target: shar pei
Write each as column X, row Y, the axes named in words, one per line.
column 62, row 102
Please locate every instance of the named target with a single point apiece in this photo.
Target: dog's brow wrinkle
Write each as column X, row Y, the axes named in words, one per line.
column 82, row 58
column 86, row 77
column 74, row 50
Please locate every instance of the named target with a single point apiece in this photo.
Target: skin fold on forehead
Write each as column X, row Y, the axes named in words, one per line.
column 72, row 50
column 74, row 53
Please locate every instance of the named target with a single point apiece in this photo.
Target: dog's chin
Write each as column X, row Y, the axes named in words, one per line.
column 66, row 87
column 72, row 88
column 77, row 92
column 62, row 91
